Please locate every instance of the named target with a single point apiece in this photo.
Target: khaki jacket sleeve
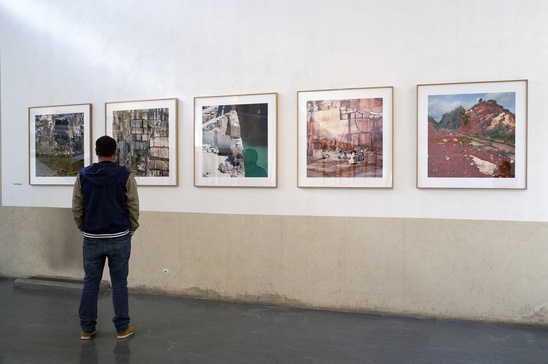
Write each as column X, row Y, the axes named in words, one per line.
column 132, row 202
column 78, row 203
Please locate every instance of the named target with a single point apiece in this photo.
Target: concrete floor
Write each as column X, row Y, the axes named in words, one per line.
column 39, row 326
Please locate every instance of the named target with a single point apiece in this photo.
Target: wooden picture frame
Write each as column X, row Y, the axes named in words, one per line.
column 472, row 135
column 59, row 143
column 345, row 138
column 235, row 140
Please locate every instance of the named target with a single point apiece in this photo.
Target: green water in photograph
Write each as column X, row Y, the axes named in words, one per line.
column 262, row 151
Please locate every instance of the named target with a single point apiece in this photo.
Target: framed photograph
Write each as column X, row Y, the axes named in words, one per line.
column 59, row 143
column 146, row 133
column 235, row 140
column 344, row 138
column 472, row 135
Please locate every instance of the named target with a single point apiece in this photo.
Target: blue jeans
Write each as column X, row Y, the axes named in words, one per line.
column 95, row 252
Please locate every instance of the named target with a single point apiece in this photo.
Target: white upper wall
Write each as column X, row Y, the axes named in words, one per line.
column 67, row 52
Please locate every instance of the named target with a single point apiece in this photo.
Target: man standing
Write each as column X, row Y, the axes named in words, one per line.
column 105, row 205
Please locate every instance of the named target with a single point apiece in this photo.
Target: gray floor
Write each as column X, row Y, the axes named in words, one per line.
column 42, row 327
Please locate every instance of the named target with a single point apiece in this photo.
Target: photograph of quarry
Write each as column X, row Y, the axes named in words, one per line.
column 143, row 141
column 59, row 144
column 235, row 140
column 345, row 138
column 472, row 135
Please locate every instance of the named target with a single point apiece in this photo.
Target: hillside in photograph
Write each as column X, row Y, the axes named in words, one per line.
column 475, row 142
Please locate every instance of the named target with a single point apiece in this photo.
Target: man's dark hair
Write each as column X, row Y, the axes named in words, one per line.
column 105, row 146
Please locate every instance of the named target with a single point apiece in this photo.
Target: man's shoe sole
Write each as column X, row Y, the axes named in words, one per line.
column 126, row 334
column 87, row 335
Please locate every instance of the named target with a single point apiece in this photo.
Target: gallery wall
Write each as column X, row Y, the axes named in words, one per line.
column 450, row 253
column 107, row 52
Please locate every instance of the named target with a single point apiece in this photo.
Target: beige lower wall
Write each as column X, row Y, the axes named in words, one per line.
column 474, row 270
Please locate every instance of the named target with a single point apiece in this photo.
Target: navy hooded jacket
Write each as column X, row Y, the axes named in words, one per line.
column 103, row 187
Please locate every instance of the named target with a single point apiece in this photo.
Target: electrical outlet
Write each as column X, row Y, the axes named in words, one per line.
column 166, row 271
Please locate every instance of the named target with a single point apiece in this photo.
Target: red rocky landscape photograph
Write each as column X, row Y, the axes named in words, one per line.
column 472, row 135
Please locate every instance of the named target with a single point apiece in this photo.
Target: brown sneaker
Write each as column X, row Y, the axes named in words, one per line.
column 87, row 335
column 122, row 335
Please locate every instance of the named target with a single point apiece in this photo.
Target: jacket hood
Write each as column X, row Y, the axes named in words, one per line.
column 102, row 173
